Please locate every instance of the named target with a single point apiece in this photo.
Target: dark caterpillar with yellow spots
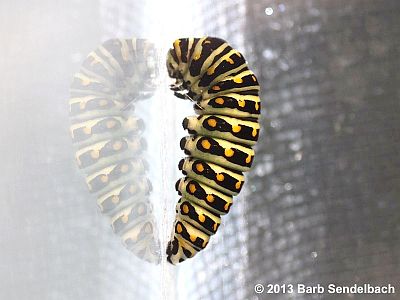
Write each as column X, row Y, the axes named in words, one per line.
column 108, row 137
column 216, row 77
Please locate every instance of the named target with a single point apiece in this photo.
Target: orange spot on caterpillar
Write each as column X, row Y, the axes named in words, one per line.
column 230, row 60
column 212, row 122
column 200, row 167
column 254, row 132
column 95, row 154
column 211, row 70
column 256, row 106
column 229, row 152
column 220, row 177
column 193, row 238
column 216, row 88
column 110, row 124
column 202, row 218
column 219, row 101
column 238, row 80
column 115, row 199
column 210, row 198
column 117, row 146
column 124, row 219
column 226, row 206
column 178, row 228
column 248, row 159
column 236, row 128
column 238, row 185
column 192, row 188
column 185, row 209
column 241, row 103
column 206, row 144
column 124, row 168
column 87, row 130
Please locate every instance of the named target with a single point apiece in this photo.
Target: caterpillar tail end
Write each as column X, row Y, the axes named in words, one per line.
column 177, row 251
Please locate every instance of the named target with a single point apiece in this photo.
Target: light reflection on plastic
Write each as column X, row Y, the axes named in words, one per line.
column 269, row 11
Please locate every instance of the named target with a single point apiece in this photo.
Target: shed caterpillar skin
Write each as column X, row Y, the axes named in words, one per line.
column 108, row 137
column 216, row 77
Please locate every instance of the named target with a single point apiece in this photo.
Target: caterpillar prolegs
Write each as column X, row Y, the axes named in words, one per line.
column 216, row 77
column 109, row 141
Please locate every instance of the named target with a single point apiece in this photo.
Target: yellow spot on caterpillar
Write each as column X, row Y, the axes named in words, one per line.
column 117, row 146
column 248, row 159
column 226, row 206
column 200, row 167
column 125, row 219
column 95, row 154
column 254, row 132
column 229, row 152
column 202, row 218
column 256, row 106
column 238, row 80
column 219, row 101
column 196, row 56
column 104, row 178
column 236, row 128
column 115, row 199
column 216, row 88
column 254, row 78
column 124, row 168
column 238, row 185
column 206, row 42
column 241, row 103
column 192, row 188
column 110, row 124
column 87, row 130
column 212, row 122
column 220, row 177
column 185, row 209
column 103, row 102
column 215, row 226
column 206, row 144
column 210, row 198
column 230, row 60
column 179, row 228
column 193, row 238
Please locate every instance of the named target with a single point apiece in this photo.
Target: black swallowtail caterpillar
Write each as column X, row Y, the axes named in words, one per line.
column 216, row 77
column 109, row 141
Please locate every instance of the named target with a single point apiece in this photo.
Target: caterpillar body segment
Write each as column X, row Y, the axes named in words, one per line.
column 222, row 179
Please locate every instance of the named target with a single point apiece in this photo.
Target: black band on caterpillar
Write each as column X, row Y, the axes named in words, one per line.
column 214, row 75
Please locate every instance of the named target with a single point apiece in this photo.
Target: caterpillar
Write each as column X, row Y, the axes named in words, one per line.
column 109, row 141
column 225, row 93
